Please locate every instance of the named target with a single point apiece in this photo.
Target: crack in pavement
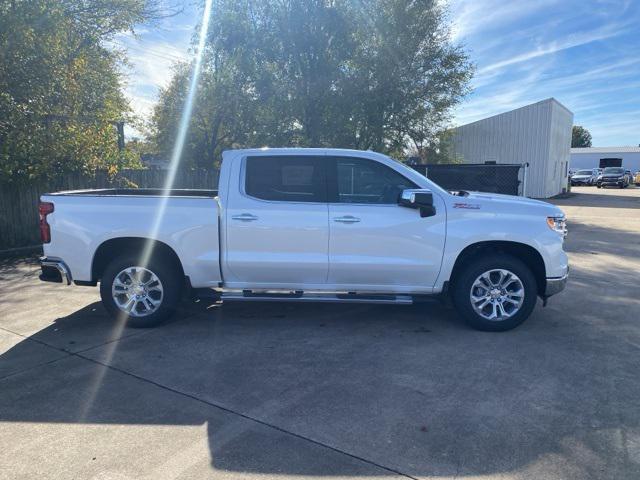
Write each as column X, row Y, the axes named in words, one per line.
column 245, row 416
column 79, row 354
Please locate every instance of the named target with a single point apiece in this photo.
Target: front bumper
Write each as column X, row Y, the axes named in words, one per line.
column 55, row 270
column 555, row 285
column 611, row 182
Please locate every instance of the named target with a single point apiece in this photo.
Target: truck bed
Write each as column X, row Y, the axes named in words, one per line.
column 140, row 192
column 82, row 222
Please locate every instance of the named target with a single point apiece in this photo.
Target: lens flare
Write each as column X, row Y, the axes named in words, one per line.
column 183, row 128
column 147, row 252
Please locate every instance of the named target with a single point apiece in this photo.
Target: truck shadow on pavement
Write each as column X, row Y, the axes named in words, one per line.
column 338, row 390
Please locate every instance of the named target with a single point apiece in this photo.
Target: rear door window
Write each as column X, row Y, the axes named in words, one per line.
column 288, row 178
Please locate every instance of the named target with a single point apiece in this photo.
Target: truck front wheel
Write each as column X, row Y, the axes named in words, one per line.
column 495, row 293
column 142, row 295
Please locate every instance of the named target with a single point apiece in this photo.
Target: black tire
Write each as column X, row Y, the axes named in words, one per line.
column 598, row 185
column 462, row 284
column 171, row 284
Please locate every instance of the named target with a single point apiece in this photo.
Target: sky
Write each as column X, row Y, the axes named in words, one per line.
column 584, row 53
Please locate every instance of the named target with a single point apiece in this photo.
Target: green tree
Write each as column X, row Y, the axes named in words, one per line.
column 440, row 149
column 366, row 74
column 580, row 137
column 60, row 87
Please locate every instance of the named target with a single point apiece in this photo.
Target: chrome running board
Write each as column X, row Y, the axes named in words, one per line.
column 300, row 296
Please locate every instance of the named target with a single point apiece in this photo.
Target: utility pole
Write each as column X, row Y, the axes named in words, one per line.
column 120, row 128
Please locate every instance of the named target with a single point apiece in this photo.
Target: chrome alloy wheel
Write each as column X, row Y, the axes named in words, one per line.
column 497, row 294
column 137, row 291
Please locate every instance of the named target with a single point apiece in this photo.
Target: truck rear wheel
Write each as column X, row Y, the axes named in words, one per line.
column 495, row 293
column 143, row 296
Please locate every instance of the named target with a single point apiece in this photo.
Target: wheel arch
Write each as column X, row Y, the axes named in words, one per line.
column 523, row 252
column 114, row 247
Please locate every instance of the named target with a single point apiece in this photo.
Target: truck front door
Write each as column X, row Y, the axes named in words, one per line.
column 375, row 244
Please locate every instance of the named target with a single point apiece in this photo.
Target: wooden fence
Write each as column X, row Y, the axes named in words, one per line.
column 19, row 203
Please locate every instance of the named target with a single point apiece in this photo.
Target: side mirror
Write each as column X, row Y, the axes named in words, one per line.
column 421, row 199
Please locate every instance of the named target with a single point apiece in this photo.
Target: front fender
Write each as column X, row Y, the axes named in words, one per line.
column 468, row 228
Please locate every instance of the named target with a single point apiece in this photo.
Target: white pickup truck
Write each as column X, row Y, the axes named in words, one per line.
column 322, row 225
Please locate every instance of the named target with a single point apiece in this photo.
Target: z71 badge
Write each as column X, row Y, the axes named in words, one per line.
column 468, row 206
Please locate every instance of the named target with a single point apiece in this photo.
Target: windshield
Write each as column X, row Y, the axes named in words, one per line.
column 584, row 172
column 613, row 170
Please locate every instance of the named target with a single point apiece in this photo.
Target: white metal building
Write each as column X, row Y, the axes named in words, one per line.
column 626, row 157
column 538, row 134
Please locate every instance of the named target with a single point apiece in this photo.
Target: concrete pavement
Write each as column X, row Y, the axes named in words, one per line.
column 342, row 391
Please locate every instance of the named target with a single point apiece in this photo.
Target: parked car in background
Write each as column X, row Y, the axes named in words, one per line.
column 636, row 179
column 598, row 174
column 613, row 176
column 629, row 176
column 323, row 225
column 584, row 177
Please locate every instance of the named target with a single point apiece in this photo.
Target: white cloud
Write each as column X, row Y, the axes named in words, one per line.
column 553, row 47
column 615, row 130
column 522, row 54
column 150, row 68
column 593, row 90
column 472, row 17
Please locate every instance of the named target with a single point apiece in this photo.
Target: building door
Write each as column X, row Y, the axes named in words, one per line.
column 610, row 162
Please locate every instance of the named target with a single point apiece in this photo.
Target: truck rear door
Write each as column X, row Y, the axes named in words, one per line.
column 277, row 222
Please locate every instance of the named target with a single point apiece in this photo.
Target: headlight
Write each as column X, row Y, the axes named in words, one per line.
column 558, row 224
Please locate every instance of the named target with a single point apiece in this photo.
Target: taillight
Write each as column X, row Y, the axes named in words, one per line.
column 44, row 209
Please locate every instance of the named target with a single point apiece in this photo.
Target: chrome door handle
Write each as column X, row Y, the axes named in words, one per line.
column 245, row 217
column 347, row 219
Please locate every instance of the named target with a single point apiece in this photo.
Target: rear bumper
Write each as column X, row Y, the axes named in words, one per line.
column 555, row 285
column 55, row 270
